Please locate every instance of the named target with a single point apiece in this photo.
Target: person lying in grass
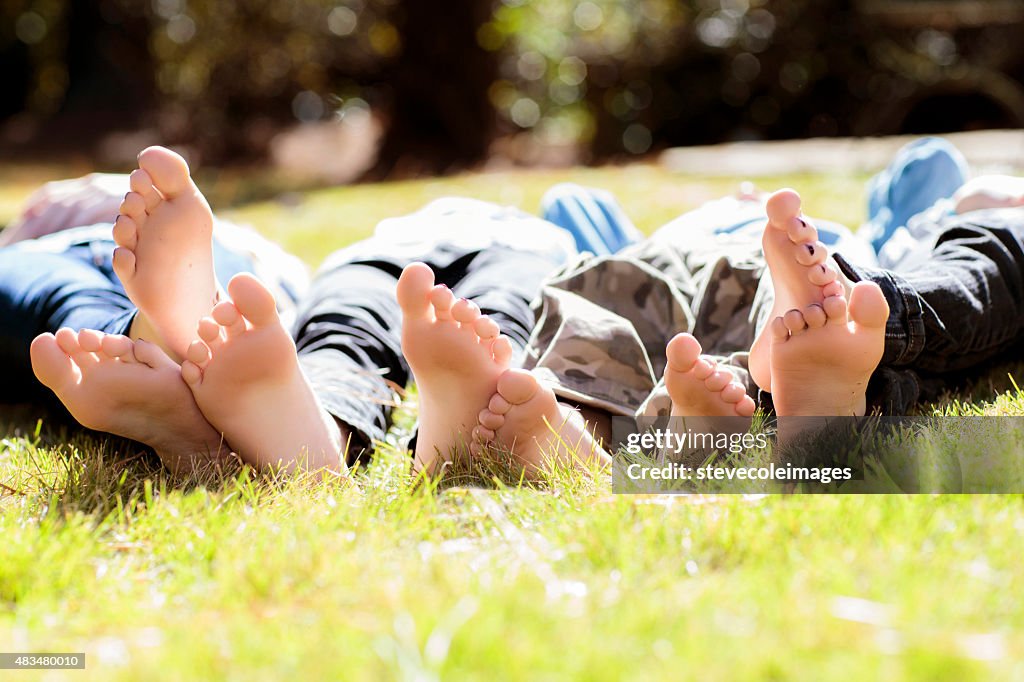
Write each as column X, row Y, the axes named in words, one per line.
column 137, row 338
column 759, row 314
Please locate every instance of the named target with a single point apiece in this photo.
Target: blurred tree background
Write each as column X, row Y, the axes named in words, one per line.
column 453, row 84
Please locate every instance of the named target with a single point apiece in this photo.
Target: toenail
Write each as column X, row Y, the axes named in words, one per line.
column 810, row 249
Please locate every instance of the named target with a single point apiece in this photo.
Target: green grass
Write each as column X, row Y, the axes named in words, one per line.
column 379, row 576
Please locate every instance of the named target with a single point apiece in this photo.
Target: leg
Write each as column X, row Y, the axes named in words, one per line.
column 593, row 217
column 965, row 304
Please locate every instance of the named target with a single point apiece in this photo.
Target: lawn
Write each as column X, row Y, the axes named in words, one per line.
column 378, row 576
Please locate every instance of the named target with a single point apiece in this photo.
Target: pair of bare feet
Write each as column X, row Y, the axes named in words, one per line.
column 817, row 353
column 238, row 382
column 470, row 399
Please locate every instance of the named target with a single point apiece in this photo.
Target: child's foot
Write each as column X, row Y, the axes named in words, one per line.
column 133, row 390
column 823, row 355
column 164, row 257
column 697, row 386
column 526, row 418
column 800, row 276
column 246, row 379
column 456, row 356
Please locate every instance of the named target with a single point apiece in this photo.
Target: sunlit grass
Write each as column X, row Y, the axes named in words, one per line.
column 379, row 575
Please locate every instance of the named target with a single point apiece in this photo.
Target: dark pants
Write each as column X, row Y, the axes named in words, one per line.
column 960, row 308
column 348, row 328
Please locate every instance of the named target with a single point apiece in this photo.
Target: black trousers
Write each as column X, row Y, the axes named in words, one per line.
column 960, row 308
column 348, row 326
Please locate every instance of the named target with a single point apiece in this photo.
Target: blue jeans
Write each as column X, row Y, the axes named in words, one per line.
column 66, row 280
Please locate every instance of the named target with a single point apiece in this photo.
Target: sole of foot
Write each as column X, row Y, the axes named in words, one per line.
column 164, row 254
column 456, row 356
column 800, row 273
column 246, row 379
column 130, row 389
column 822, row 356
column 525, row 419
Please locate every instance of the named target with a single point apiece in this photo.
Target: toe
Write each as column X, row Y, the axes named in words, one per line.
column 801, row 232
column 733, row 393
column 465, row 311
column 253, row 300
column 482, row 434
column 499, row 405
column 413, row 290
column 118, row 346
column 682, row 352
column 486, row 328
column 834, row 288
column 50, row 363
column 704, row 368
column 226, row 315
column 517, row 386
column 124, row 264
column 795, row 322
column 209, row 331
column 811, row 254
column 746, row 407
column 152, row 355
column 781, row 206
column 134, row 206
column 490, row 420
column 718, row 380
column 198, row 353
column 90, row 340
column 442, row 300
column 125, row 232
column 501, row 350
column 821, row 274
column 778, row 330
column 168, row 171
column 835, row 309
column 68, row 342
column 868, row 307
column 191, row 374
column 142, row 185
column 814, row 316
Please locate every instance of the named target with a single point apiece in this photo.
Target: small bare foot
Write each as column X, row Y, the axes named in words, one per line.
column 526, row 418
column 800, row 275
column 246, row 379
column 133, row 390
column 164, row 257
column 823, row 355
column 697, row 386
column 456, row 356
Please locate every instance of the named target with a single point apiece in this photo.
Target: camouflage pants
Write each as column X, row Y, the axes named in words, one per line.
column 603, row 322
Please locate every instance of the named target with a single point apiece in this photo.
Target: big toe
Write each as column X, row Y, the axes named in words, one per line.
column 168, row 170
column 413, row 291
column 51, row 365
column 783, row 205
column 682, row 351
column 868, row 306
column 253, row 299
column 517, row 386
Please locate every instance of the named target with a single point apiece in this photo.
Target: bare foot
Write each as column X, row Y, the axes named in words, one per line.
column 456, row 356
column 246, row 379
column 526, row 418
column 697, row 386
column 823, row 355
column 800, row 275
column 133, row 390
column 164, row 257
